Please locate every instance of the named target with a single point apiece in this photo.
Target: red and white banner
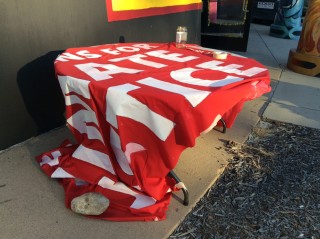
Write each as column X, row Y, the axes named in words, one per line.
column 130, row 9
column 133, row 108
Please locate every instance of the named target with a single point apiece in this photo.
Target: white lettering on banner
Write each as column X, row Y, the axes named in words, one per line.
column 119, row 103
column 128, row 49
column 184, row 76
column 141, row 199
column 171, row 56
column 68, row 56
column 94, row 157
column 124, row 158
column 194, row 96
column 133, row 48
column 92, row 70
column 110, row 51
column 80, row 118
column 144, row 46
column 87, row 54
column 137, row 59
column 232, row 68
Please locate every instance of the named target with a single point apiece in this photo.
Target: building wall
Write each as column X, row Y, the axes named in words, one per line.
column 34, row 32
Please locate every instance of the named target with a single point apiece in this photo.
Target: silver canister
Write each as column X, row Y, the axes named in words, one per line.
column 181, row 36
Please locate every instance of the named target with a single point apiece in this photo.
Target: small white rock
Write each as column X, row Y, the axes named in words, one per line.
column 90, row 204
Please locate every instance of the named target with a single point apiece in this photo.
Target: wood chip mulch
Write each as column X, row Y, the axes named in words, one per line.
column 269, row 189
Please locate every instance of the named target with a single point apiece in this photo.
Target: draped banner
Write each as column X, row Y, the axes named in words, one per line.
column 133, row 108
column 125, row 10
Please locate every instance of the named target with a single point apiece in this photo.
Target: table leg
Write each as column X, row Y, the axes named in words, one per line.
column 223, row 125
column 181, row 186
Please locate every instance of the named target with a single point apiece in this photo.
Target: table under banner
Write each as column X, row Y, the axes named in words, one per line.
column 133, row 108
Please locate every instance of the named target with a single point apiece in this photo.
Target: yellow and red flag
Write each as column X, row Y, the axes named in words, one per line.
column 124, row 10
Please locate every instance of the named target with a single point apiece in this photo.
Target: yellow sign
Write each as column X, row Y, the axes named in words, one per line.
column 120, row 5
column 118, row 10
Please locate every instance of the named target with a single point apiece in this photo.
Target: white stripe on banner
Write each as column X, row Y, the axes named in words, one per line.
column 80, row 118
column 194, row 96
column 49, row 161
column 231, row 68
column 184, row 76
column 56, row 154
column 252, row 71
column 141, row 199
column 61, row 173
column 120, row 156
column 213, row 124
column 70, row 84
column 52, row 162
column 119, row 103
column 94, row 157
column 74, row 99
column 123, row 158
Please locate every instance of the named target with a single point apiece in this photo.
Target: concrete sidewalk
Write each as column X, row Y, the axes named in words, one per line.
column 296, row 97
column 32, row 205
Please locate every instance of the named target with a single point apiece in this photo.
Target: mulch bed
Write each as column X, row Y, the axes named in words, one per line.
column 269, row 189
